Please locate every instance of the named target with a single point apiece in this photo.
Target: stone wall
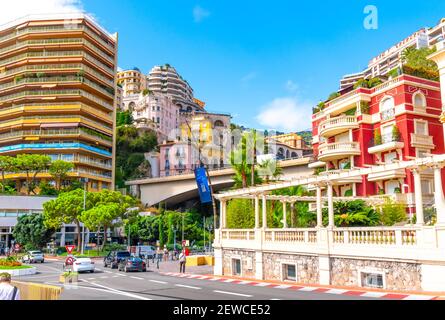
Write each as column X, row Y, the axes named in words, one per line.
column 245, row 256
column 306, row 267
column 399, row 275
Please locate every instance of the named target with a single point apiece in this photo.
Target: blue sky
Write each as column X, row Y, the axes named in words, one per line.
column 265, row 62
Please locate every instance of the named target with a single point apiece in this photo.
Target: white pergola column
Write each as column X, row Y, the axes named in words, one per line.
column 257, row 212
column 331, row 206
column 439, row 199
column 319, row 208
column 285, row 226
column 418, row 197
column 264, row 211
column 222, row 214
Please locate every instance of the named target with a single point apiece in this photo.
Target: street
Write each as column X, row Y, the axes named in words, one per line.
column 107, row 284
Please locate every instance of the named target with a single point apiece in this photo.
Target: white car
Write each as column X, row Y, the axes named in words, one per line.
column 33, row 256
column 83, row 265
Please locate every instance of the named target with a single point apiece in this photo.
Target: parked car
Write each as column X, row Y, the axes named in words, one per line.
column 132, row 264
column 33, row 256
column 114, row 257
column 83, row 265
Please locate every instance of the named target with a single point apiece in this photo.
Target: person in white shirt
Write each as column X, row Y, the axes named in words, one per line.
column 182, row 261
column 7, row 291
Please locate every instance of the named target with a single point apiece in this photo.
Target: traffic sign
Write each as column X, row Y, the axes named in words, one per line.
column 70, row 248
column 69, row 261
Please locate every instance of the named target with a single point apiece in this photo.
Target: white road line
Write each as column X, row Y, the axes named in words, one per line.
column 194, row 276
column 373, row 294
column 137, row 278
column 106, row 277
column 189, row 287
column 418, row 297
column 233, row 293
column 336, row 291
column 275, row 299
column 156, row 281
column 214, row 279
column 91, row 278
column 122, row 275
column 111, row 290
column 284, row 286
column 108, row 272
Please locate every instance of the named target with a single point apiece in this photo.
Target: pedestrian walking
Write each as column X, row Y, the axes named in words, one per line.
column 182, row 260
column 8, row 291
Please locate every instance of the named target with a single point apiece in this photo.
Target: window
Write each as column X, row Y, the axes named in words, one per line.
column 426, row 187
column 289, row 272
column 421, row 127
column 392, row 186
column 67, row 157
column 236, row 267
column 387, row 108
column 419, row 100
column 422, row 153
column 94, row 185
column 389, row 157
column 70, row 229
column 372, row 280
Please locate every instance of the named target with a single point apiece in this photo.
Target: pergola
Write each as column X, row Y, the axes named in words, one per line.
column 435, row 162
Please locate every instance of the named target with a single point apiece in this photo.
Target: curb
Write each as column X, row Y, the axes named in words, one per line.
column 317, row 289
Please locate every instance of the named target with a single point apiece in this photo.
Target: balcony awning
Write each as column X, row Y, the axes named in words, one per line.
column 59, row 125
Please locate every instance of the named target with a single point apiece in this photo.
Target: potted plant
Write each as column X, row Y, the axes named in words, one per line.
column 69, row 277
column 377, row 137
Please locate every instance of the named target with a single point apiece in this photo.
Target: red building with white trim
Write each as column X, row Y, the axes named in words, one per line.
column 397, row 120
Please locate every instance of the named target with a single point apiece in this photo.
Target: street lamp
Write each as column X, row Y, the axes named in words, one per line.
column 85, row 183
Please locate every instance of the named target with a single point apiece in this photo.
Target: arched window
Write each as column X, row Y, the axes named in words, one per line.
column 287, row 154
column 419, row 100
column 387, row 108
column 131, row 106
column 280, row 154
column 294, row 155
column 219, row 123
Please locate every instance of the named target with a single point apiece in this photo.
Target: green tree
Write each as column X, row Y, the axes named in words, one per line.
column 59, row 171
column 240, row 214
column 32, row 165
column 31, row 231
column 67, row 208
column 124, row 118
column 353, row 214
column 7, row 164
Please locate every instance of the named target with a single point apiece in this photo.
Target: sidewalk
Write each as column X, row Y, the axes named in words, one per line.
column 173, row 266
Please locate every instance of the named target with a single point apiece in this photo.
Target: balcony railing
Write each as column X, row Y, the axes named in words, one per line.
column 342, row 148
column 336, row 123
column 420, row 140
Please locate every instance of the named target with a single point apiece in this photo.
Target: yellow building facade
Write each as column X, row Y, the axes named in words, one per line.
column 57, row 95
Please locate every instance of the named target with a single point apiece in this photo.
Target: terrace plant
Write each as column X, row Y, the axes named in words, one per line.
column 353, row 214
column 395, row 133
column 365, row 107
column 377, row 137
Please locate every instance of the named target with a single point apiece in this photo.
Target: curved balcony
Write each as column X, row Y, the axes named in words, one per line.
column 338, row 150
column 337, row 125
column 389, row 142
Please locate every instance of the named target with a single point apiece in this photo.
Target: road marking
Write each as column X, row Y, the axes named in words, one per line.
column 373, row 294
column 284, row 286
column 418, row 297
column 336, row 291
column 137, row 278
column 214, row 279
column 189, row 287
column 91, row 278
column 275, row 299
column 262, row 284
column 112, row 290
column 115, row 276
column 156, row 281
column 108, row 272
column 106, row 277
column 233, row 293
column 228, row 280
column 122, row 275
column 308, row 289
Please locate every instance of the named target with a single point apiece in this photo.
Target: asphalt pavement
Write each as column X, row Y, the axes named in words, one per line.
column 110, row 284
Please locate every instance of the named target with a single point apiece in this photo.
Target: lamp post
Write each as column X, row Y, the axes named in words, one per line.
column 85, row 183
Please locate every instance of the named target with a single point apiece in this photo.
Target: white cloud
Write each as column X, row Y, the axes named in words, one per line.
column 200, row 14
column 286, row 114
column 291, row 86
column 14, row 9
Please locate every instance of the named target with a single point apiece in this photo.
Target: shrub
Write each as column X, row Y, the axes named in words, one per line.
column 395, row 133
column 9, row 262
column 240, row 214
column 377, row 137
column 392, row 213
column 365, row 107
column 348, row 193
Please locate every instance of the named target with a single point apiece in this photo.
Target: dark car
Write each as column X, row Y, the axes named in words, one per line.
column 132, row 264
column 114, row 257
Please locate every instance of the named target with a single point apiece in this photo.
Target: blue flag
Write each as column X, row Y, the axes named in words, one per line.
column 203, row 185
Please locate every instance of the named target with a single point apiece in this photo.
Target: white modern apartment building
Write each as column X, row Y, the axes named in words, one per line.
column 166, row 80
column 391, row 58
